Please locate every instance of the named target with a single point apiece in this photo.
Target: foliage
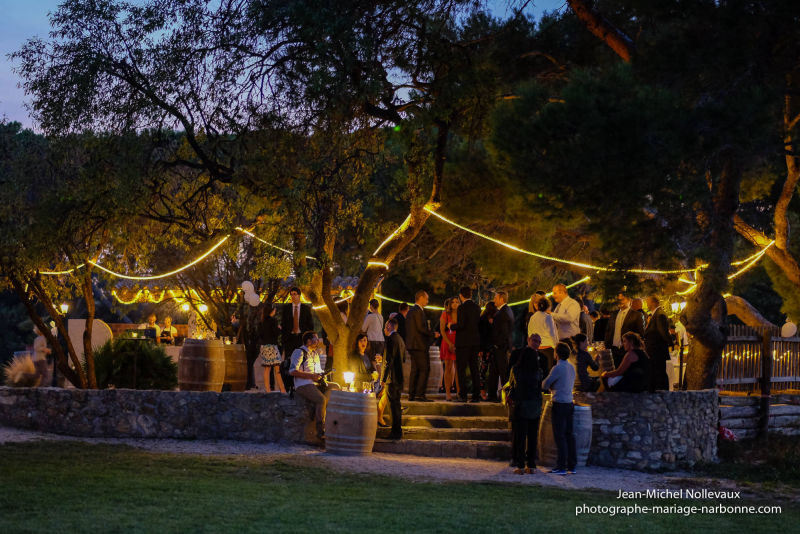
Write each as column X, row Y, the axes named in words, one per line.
column 133, row 364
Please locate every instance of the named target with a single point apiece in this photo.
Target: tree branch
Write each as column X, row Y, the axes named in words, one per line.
column 604, row 30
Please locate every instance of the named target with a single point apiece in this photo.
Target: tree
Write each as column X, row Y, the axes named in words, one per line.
column 671, row 123
column 249, row 83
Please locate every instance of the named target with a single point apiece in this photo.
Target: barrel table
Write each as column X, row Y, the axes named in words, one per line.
column 581, row 427
column 235, row 367
column 201, row 365
column 350, row 423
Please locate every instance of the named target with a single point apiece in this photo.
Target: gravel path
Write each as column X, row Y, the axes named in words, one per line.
column 417, row 468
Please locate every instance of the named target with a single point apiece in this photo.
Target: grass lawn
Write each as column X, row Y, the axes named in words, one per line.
column 75, row 487
column 775, row 462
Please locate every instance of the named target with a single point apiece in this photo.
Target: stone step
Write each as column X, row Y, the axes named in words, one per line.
column 441, row 421
column 451, row 434
column 455, row 409
column 488, row 450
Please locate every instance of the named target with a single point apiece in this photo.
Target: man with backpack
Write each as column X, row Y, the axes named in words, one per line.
column 306, row 371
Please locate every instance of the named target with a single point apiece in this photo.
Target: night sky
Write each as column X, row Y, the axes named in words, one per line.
column 23, row 19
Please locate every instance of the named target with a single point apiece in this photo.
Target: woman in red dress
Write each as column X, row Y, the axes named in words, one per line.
column 447, row 352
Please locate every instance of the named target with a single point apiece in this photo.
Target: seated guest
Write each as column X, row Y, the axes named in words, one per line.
column 306, row 370
column 633, row 373
column 151, row 325
column 583, row 359
column 168, row 332
column 360, row 363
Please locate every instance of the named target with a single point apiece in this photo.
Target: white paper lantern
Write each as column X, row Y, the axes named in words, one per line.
column 789, row 329
column 248, row 287
column 252, row 299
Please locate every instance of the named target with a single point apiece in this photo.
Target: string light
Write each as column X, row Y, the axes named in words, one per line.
column 57, row 273
column 752, row 262
column 165, row 275
column 399, row 229
column 576, row 263
column 378, row 264
column 251, row 234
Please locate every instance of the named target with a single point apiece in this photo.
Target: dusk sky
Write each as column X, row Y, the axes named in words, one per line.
column 23, row 19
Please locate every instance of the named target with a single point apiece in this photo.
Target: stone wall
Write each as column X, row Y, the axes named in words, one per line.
column 258, row 417
column 663, row 430
column 740, row 413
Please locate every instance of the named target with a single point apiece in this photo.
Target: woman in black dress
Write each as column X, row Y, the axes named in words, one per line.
column 633, row 370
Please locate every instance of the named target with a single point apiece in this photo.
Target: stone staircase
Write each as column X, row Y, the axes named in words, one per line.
column 450, row 429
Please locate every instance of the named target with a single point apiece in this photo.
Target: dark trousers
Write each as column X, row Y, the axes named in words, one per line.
column 393, row 395
column 468, row 357
column 498, row 368
column 523, row 441
column 658, row 372
column 418, row 377
column 563, row 435
column 618, row 354
column 252, row 355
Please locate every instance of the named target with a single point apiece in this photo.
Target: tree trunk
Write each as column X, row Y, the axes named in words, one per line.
column 58, row 351
column 705, row 316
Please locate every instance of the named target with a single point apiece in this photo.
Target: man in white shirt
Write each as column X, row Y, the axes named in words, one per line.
column 567, row 314
column 306, row 370
column 373, row 326
column 151, row 324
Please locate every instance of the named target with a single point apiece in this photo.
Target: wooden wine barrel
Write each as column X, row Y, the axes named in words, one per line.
column 581, row 427
column 201, row 366
column 236, row 367
column 435, row 376
column 350, row 423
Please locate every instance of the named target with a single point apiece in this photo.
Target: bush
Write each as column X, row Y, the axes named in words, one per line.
column 126, row 363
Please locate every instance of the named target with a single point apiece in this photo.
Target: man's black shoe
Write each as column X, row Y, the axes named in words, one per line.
column 475, row 399
column 462, row 399
column 424, row 399
column 492, row 399
column 395, row 437
column 410, row 398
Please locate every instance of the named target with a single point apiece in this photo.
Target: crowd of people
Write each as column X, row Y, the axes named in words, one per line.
column 631, row 347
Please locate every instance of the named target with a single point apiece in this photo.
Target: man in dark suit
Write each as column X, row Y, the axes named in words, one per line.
column 657, row 341
column 418, row 338
column 402, row 311
column 502, row 330
column 392, row 378
column 295, row 319
column 468, row 343
column 622, row 321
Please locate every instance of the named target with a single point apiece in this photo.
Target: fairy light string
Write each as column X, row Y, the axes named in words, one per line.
column 747, row 263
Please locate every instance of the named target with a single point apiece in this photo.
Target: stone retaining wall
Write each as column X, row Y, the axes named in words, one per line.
column 740, row 413
column 667, row 429
column 125, row 413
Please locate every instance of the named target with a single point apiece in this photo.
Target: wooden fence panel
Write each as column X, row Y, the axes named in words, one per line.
column 740, row 369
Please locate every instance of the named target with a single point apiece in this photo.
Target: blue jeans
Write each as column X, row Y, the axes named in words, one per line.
column 563, row 435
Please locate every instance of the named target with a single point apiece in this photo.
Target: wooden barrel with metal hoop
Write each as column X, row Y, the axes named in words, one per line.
column 235, row 367
column 201, row 365
column 581, row 427
column 350, row 423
